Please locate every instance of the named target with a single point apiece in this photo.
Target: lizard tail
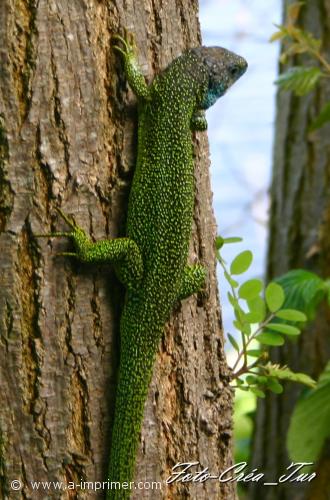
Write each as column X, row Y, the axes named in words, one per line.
column 135, row 371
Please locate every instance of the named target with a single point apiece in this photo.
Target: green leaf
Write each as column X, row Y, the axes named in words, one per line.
column 219, row 241
column 274, row 386
column 294, row 10
column 269, row 338
column 252, row 317
column 239, row 313
column 232, row 299
column 303, row 290
column 258, row 392
column 254, row 353
column 257, row 308
column 262, row 380
column 284, row 373
column 241, row 263
column 274, row 296
column 283, row 58
column 295, row 48
column 242, row 327
column 283, row 328
column 251, row 379
column 321, row 119
column 299, row 79
column 307, row 40
column 277, row 36
column 233, row 239
column 230, row 280
column 238, row 325
column 291, row 315
column 233, row 342
column 309, row 426
column 250, row 289
column 246, row 329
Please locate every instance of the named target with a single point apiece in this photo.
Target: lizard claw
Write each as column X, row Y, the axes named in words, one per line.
column 60, row 234
column 53, row 235
column 66, row 254
column 69, row 222
column 77, row 234
column 128, row 41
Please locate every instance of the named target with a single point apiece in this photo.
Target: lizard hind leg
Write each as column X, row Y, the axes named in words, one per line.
column 123, row 253
column 193, row 281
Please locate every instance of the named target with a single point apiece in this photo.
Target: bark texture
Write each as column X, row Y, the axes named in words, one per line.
column 299, row 238
column 67, row 138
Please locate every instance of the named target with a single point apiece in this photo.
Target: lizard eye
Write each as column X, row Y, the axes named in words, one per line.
column 234, row 71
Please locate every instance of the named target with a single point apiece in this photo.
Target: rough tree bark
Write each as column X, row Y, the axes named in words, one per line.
column 299, row 238
column 68, row 126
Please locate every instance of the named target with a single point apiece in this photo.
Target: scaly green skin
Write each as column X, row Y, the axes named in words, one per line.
column 152, row 260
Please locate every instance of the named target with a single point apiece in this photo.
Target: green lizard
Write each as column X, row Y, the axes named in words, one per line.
column 151, row 261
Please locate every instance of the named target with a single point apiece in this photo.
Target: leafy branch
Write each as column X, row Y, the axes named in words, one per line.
column 268, row 316
column 309, row 426
column 302, row 79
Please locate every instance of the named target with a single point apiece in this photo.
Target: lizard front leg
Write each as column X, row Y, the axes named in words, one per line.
column 198, row 121
column 133, row 72
column 193, row 281
column 122, row 252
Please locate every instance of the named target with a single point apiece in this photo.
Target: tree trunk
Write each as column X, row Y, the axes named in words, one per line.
column 299, row 238
column 68, row 137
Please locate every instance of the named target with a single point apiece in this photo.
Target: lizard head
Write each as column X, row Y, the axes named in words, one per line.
column 223, row 68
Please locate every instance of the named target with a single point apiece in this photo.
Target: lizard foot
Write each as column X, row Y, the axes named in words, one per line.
column 198, row 121
column 128, row 42
column 77, row 234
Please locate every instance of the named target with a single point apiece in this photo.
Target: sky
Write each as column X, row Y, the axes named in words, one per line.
column 241, row 127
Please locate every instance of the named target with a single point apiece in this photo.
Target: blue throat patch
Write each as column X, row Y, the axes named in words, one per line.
column 212, row 96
